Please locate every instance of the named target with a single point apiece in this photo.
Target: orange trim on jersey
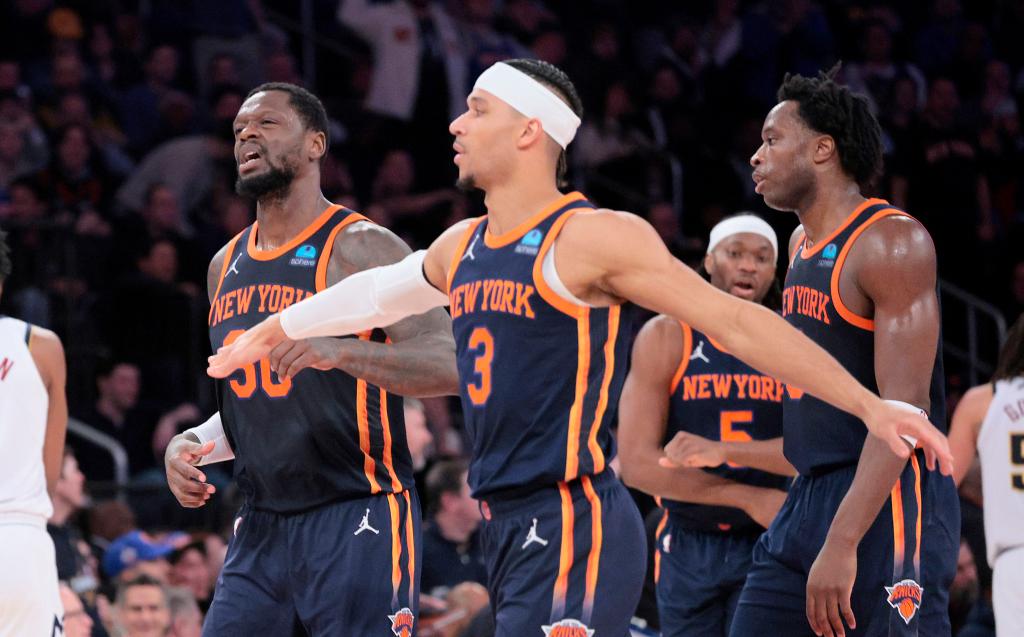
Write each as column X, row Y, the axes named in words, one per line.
column 920, row 513
column 684, row 361
column 566, row 553
column 602, row 402
column 396, row 484
column 596, row 537
column 410, row 539
column 223, row 272
column 807, row 253
column 325, row 256
column 369, row 466
column 307, row 232
column 657, row 545
column 799, row 246
column 572, row 447
column 396, row 547
column 899, row 549
column 505, row 238
column 554, row 298
column 460, row 250
column 837, row 270
column 717, row 345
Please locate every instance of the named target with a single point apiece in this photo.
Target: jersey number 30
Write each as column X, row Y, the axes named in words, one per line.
column 246, row 387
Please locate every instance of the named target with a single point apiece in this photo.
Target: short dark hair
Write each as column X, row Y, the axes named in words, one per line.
column 141, row 580
column 555, row 78
column 309, row 107
column 1011, row 355
column 5, row 257
column 833, row 109
column 444, row 477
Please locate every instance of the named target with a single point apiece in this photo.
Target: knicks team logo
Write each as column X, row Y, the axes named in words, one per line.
column 567, row 628
column 530, row 244
column 304, row 256
column 905, row 597
column 402, row 623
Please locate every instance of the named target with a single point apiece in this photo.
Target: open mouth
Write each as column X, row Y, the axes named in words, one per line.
column 249, row 161
column 743, row 288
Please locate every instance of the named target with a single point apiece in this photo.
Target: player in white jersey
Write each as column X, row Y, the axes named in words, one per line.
column 33, row 420
column 990, row 420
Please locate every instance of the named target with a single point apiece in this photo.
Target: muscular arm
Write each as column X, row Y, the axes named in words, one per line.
column 894, row 266
column 48, row 354
column 627, row 260
column 643, row 413
column 420, row 361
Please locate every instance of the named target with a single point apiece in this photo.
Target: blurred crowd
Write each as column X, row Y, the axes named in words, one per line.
column 116, row 186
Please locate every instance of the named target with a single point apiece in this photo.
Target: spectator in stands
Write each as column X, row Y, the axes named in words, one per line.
column 116, row 413
column 190, row 570
column 142, row 608
column 451, row 544
column 137, row 553
column 109, row 520
column 69, row 497
column 186, row 619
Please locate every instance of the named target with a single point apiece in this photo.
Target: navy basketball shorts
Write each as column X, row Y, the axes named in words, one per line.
column 346, row 568
column 905, row 562
column 566, row 559
column 699, row 576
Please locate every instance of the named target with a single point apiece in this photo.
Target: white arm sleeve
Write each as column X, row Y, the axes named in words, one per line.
column 372, row 298
column 213, row 429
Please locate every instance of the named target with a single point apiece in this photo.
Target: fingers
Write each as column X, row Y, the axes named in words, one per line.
column 847, row 610
column 811, row 610
column 301, row 362
column 835, row 623
column 934, row 443
column 188, row 484
column 667, row 462
column 220, row 365
column 201, row 451
column 280, row 352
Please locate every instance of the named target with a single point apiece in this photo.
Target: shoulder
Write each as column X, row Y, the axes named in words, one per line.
column 606, row 228
column 363, row 245
column 977, row 399
column 662, row 334
column 896, row 244
column 48, row 353
column 217, row 263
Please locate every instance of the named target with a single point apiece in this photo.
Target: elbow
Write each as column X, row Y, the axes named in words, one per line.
column 628, row 471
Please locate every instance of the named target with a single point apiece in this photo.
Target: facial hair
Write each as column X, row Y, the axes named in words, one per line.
column 275, row 182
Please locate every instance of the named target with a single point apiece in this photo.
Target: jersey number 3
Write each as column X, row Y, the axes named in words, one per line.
column 480, row 389
column 246, row 387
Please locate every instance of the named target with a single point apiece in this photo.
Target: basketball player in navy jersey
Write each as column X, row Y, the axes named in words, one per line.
column 327, row 542
column 680, row 381
column 536, row 290
column 866, row 542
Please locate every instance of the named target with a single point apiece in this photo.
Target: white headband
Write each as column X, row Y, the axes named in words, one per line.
column 743, row 223
column 532, row 99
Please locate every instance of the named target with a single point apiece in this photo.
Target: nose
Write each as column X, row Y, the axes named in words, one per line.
column 755, row 159
column 748, row 263
column 457, row 128
column 248, row 132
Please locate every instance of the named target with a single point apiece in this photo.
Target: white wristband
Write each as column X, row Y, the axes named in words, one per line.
column 372, row 298
column 912, row 441
column 213, row 429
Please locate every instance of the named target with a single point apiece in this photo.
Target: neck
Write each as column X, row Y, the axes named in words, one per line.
column 452, row 528
column 518, row 199
column 61, row 511
column 827, row 207
column 107, row 407
column 282, row 216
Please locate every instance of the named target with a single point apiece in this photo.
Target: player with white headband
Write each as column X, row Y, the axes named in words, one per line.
column 536, row 290
column 712, row 517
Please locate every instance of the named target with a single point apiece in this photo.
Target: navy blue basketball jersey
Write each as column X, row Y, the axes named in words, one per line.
column 818, row 437
column 717, row 396
column 320, row 436
column 540, row 377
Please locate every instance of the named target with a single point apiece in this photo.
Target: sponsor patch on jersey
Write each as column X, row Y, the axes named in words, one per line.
column 567, row 628
column 305, row 256
column 530, row 243
column 828, row 256
column 402, row 623
column 905, row 597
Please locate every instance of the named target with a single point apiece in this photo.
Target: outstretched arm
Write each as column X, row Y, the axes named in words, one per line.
column 627, row 260
column 419, row 360
column 643, row 412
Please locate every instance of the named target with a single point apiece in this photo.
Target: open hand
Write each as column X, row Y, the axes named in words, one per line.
column 255, row 343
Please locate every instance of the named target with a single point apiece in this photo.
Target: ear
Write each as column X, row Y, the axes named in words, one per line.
column 531, row 133
column 709, row 263
column 317, row 145
column 824, row 148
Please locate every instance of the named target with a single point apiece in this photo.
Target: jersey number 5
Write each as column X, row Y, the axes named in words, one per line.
column 1017, row 459
column 246, row 387
column 480, row 389
column 726, row 432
